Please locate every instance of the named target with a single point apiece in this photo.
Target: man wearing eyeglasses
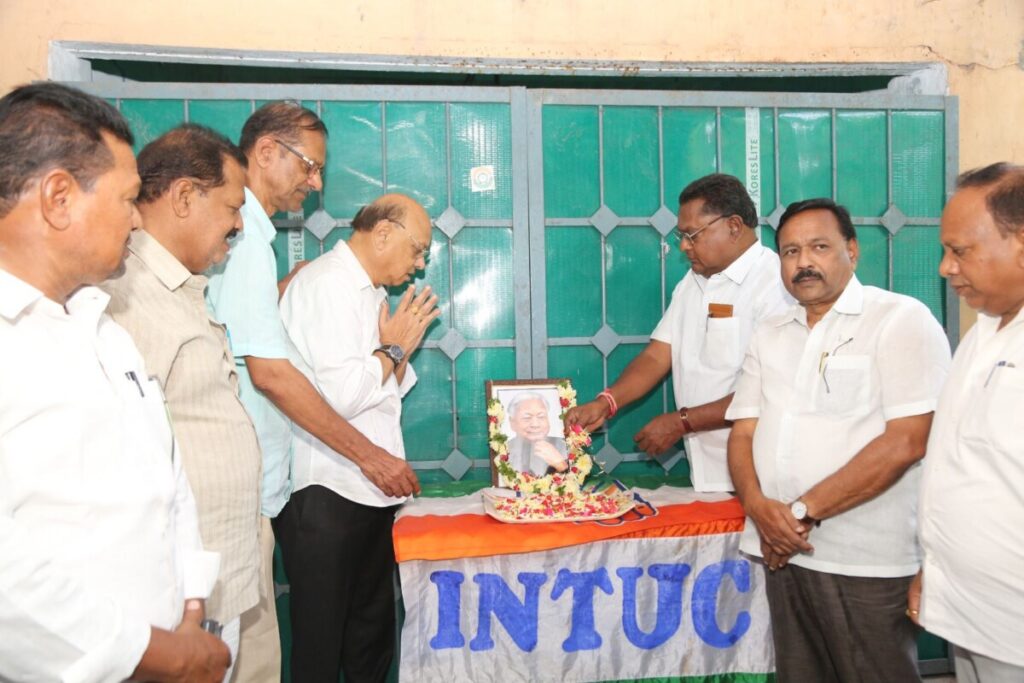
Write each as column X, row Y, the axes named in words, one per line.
column 285, row 145
column 336, row 529
column 733, row 283
column 830, row 418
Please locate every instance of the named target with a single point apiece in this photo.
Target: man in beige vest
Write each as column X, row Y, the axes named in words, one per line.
column 192, row 189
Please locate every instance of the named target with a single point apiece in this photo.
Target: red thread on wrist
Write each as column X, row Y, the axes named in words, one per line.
column 612, row 404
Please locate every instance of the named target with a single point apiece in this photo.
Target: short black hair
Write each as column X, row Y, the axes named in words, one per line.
column 188, row 151
column 376, row 211
column 1006, row 200
column 284, row 119
column 846, row 228
column 47, row 125
column 722, row 194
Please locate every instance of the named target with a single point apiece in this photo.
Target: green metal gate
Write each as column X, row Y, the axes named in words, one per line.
column 564, row 266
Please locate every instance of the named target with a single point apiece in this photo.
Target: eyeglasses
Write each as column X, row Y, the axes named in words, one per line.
column 421, row 249
column 312, row 168
column 691, row 237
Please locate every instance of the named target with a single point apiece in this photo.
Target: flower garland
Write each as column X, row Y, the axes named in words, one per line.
column 579, row 461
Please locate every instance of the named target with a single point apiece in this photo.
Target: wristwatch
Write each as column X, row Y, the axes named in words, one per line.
column 394, row 352
column 799, row 510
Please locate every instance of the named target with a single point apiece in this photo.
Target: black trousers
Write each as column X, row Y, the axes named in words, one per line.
column 830, row 628
column 340, row 561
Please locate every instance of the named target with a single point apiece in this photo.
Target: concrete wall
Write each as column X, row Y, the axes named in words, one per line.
column 980, row 41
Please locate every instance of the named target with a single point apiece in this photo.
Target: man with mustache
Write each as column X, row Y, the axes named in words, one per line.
column 733, row 284
column 830, row 418
column 335, row 531
column 972, row 512
column 193, row 182
column 103, row 573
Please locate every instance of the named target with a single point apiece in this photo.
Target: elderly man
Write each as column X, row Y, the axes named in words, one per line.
column 285, row 146
column 733, row 284
column 972, row 510
column 103, row 572
column 335, row 531
column 193, row 183
column 830, row 416
column 532, row 450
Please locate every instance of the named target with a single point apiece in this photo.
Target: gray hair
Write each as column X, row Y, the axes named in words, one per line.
column 513, row 405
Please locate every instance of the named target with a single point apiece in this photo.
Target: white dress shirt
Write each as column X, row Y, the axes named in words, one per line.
column 707, row 352
column 820, row 395
column 972, row 497
column 331, row 311
column 98, row 532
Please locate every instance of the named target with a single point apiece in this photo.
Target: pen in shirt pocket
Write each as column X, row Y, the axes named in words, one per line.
column 135, row 378
column 1000, row 364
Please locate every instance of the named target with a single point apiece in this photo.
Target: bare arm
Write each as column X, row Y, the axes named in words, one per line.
column 874, row 469
column 782, row 535
column 659, row 434
column 297, row 398
column 639, row 377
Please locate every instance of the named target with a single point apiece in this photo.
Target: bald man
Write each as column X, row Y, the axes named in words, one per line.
column 335, row 531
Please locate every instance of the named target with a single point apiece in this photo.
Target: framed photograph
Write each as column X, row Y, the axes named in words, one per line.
column 525, row 427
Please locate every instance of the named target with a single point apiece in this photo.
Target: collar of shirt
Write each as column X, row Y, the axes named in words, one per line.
column 348, row 259
column 16, row 296
column 736, row 271
column 256, row 220
column 163, row 264
column 850, row 302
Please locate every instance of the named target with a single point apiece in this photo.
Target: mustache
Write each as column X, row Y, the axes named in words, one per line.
column 807, row 274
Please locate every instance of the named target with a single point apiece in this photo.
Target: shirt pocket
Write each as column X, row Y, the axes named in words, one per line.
column 721, row 344
column 992, row 421
column 845, row 384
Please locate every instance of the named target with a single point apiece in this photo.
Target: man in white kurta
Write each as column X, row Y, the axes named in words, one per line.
column 101, row 562
column 335, row 531
column 972, row 493
column 732, row 285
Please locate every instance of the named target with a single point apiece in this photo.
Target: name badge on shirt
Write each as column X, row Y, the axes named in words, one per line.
column 719, row 310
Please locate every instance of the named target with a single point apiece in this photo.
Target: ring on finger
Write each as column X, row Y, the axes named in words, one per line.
column 415, row 309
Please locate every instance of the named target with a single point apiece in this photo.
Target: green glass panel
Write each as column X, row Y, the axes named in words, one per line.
column 873, row 264
column 648, row 468
column 435, row 275
column 631, row 173
column 483, row 303
column 633, row 279
column 805, row 154
column 740, row 161
column 768, row 238
column 582, row 365
column 417, row 153
column 918, row 157
column 311, row 248
column 916, row 257
column 677, row 265
column 481, row 135
column 473, row 367
column 930, row 646
column 438, row 478
column 688, row 139
column 149, row 119
column 572, row 183
column 355, row 167
column 632, row 418
column 225, row 116
column 427, row 408
column 861, row 165
column 573, row 263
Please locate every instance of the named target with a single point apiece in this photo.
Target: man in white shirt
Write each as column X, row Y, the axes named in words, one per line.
column 830, row 417
column 335, row 531
column 972, row 505
column 285, row 144
column 732, row 285
column 103, row 573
